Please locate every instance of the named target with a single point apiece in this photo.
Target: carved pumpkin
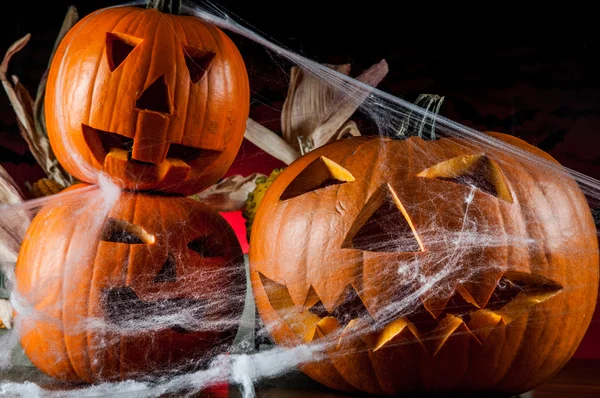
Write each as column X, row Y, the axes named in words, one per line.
column 156, row 101
column 138, row 293
column 425, row 265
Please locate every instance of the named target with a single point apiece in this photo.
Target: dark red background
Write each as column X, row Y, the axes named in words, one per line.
column 534, row 74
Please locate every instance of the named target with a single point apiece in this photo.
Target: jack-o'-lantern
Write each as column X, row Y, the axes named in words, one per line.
column 421, row 266
column 153, row 288
column 157, row 101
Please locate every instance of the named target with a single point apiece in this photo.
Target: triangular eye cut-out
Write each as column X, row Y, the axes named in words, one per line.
column 118, row 47
column 321, row 173
column 207, row 246
column 198, row 61
column 477, row 171
column 383, row 226
column 120, row 231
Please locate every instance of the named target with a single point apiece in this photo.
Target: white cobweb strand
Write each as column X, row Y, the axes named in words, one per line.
column 103, row 203
column 243, row 369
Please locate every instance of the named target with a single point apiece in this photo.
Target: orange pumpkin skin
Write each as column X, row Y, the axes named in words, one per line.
column 310, row 250
column 97, row 297
column 156, row 101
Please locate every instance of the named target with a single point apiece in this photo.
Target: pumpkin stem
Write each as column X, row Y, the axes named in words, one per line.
column 166, row 6
column 423, row 124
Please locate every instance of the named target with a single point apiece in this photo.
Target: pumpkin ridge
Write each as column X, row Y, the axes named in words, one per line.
column 90, row 347
column 100, row 58
column 211, row 88
column 76, row 370
column 111, row 109
column 201, row 41
column 188, row 110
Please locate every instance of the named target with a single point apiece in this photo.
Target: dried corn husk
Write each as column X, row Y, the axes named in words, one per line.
column 30, row 113
column 230, row 193
column 6, row 314
column 314, row 113
column 13, row 225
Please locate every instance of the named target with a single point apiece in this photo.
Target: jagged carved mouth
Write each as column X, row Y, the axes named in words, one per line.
column 125, row 310
column 514, row 296
column 110, row 148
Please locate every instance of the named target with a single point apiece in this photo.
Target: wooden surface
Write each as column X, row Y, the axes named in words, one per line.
column 580, row 378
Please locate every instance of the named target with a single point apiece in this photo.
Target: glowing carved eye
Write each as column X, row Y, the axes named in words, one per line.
column 383, row 226
column 321, row 173
column 198, row 61
column 477, row 171
column 118, row 48
column 119, row 231
column 207, row 246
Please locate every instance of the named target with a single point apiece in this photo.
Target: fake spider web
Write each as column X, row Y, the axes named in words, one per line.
column 342, row 310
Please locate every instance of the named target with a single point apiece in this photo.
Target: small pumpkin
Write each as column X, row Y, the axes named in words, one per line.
column 425, row 266
column 155, row 100
column 136, row 294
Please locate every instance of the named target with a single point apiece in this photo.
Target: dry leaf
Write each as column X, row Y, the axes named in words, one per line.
column 38, row 107
column 230, row 193
column 309, row 100
column 270, row 142
column 6, row 313
column 9, row 190
column 346, row 105
column 30, row 115
column 13, row 221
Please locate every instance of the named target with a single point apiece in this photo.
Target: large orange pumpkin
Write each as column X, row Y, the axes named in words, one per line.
column 153, row 287
column 157, row 101
column 425, row 265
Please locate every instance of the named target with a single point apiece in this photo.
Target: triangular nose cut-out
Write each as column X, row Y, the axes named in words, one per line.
column 155, row 98
column 477, row 171
column 321, row 173
column 383, row 226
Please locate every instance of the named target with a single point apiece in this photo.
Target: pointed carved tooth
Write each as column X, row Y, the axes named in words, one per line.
column 479, row 290
column 389, row 332
column 466, row 295
column 447, row 326
column 312, row 298
column 523, row 303
column 348, row 306
column 435, row 305
column 354, row 326
column 482, row 324
column 328, row 325
column 302, row 322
